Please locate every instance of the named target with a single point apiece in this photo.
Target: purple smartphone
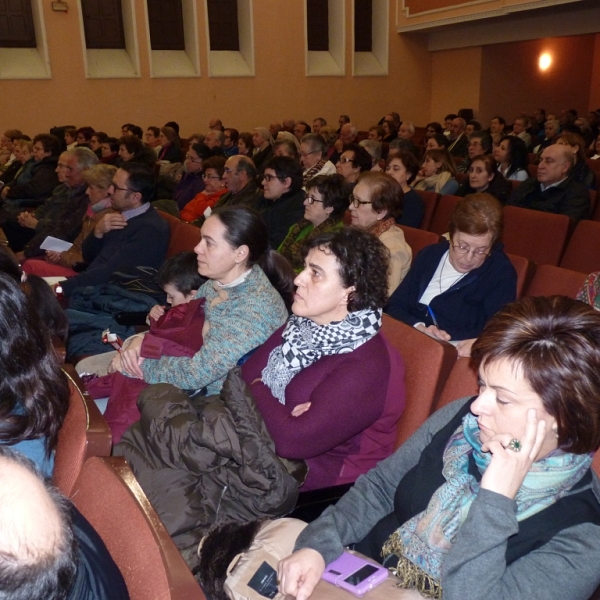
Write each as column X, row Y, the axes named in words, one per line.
column 354, row 574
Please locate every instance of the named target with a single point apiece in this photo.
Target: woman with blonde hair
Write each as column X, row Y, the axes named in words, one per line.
column 437, row 173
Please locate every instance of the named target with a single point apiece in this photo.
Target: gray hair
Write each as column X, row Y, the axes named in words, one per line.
column 315, row 142
column 410, row 125
column 264, row 131
column 219, row 135
column 485, row 140
column 86, row 159
column 373, row 148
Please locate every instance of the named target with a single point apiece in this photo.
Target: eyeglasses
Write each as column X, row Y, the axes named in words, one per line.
column 311, row 199
column 463, row 250
column 269, row 178
column 116, row 187
column 356, row 202
column 345, row 159
column 192, row 159
column 205, row 176
column 63, row 166
column 305, row 154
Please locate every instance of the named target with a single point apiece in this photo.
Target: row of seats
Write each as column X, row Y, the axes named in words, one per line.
column 543, row 238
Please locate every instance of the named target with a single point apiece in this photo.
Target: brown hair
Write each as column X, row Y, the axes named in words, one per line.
column 491, row 166
column 215, row 162
column 574, row 139
column 170, row 134
column 442, row 155
column 555, row 342
column 385, row 193
column 477, row 214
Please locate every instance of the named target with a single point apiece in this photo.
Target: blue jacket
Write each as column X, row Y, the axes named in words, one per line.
column 464, row 308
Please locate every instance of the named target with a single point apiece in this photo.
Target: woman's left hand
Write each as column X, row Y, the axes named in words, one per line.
column 131, row 360
column 507, row 470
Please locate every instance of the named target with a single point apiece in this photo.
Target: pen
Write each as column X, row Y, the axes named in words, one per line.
column 432, row 317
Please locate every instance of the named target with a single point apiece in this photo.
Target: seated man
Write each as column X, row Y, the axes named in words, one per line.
column 348, row 134
column 406, row 132
column 458, row 140
column 263, row 146
column 133, row 236
column 282, row 184
column 61, row 215
column 554, row 190
column 230, row 145
column 47, row 548
column 240, row 180
column 313, row 157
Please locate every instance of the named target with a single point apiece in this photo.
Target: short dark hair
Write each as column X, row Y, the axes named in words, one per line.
column 285, row 166
column 133, row 144
column 450, row 116
column 517, row 151
column 437, row 127
column 141, row 179
column 234, row 134
column 441, row 140
column 40, row 575
column 174, row 125
column 307, row 128
column 202, row 150
column 477, row 214
column 155, row 130
column 363, row 263
column 555, row 342
column 345, row 118
column 409, row 160
column 181, row 271
column 476, row 125
column 500, row 119
column 113, row 142
column 334, row 190
column 215, row 162
column 485, row 139
column 49, row 142
column 385, row 193
column 137, row 131
column 247, row 165
column 100, row 136
column 86, row 132
column 362, row 159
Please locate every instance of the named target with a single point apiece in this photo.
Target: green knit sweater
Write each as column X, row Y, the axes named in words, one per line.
column 250, row 314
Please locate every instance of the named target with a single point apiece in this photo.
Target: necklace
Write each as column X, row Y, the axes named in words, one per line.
column 460, row 276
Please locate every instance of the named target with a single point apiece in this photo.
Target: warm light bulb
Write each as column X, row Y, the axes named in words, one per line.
column 545, row 61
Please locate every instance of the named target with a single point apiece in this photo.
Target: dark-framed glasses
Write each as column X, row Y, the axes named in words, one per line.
column 356, row 202
column 464, row 250
column 311, row 199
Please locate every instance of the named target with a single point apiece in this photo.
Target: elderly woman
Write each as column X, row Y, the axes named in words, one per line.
column 98, row 179
column 403, row 167
column 313, row 157
column 494, row 495
column 285, row 147
column 455, row 287
column 374, row 205
column 170, row 144
column 437, row 173
column 485, row 177
column 581, row 172
column 324, row 207
column 132, row 149
column 191, row 181
column 21, row 169
column 214, row 188
column 512, row 158
column 245, row 143
column 353, row 161
column 328, row 387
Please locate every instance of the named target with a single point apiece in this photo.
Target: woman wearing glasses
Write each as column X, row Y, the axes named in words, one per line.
column 324, row 207
column 214, row 188
column 453, row 288
column 191, row 182
column 374, row 205
column 353, row 161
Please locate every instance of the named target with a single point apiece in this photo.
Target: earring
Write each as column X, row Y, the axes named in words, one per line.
column 555, row 429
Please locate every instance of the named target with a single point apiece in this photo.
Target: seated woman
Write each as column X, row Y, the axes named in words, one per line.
column 242, row 307
column 354, row 160
column 99, row 179
column 132, row 149
column 245, row 144
column 485, row 177
column 21, row 170
column 437, row 173
column 596, row 149
column 455, row 287
column 581, row 172
column 327, row 389
column 512, row 158
column 214, row 187
column 403, row 167
column 34, row 392
column 191, row 182
column 324, row 208
column 439, row 141
column 374, row 205
column 493, row 497
column 171, row 146
column 285, row 147
column 109, row 150
column 390, row 131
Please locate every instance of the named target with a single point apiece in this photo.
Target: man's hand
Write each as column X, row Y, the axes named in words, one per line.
column 53, row 257
column 108, row 223
column 26, row 219
column 5, row 191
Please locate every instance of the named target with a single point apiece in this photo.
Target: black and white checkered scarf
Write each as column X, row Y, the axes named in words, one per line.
column 305, row 342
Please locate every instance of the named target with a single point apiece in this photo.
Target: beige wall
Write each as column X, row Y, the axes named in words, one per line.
column 456, row 81
column 279, row 89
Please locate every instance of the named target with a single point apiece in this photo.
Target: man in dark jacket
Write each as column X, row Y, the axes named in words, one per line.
column 554, row 190
column 282, row 184
column 240, row 180
column 133, row 236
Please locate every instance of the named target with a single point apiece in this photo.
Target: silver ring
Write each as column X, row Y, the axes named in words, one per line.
column 514, row 445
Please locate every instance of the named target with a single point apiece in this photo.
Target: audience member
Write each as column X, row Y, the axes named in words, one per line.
column 390, row 131
column 448, row 123
column 110, row 150
column 403, row 167
column 214, row 187
column 348, row 135
column 301, row 129
column 240, row 176
column 120, row 240
column 353, row 161
column 318, row 123
column 437, row 173
column 313, row 157
column 98, row 137
column 70, row 137
column 554, row 190
column 458, row 139
column 376, row 133
column 132, row 149
column 343, row 120
column 215, row 125
column 6, row 146
column 454, row 287
column 473, row 126
column 170, row 144
column 437, row 142
column 20, row 170
column 484, row 176
column 497, row 125
column 480, row 142
column 374, row 149
column 286, row 147
column 274, row 129
column 84, row 136
column 215, row 139
column 551, row 129
column 581, row 172
column 519, row 129
column 282, row 185
column 230, row 143
column 375, row 203
column 245, row 143
column 404, row 141
column 191, row 182
column 263, row 147
column 324, row 207
column 512, row 158
column 152, row 137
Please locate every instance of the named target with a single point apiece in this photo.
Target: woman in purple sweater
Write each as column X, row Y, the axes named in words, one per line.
column 328, row 385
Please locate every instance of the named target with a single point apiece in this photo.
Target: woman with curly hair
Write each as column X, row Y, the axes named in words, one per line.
column 328, row 386
column 34, row 394
column 324, row 207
